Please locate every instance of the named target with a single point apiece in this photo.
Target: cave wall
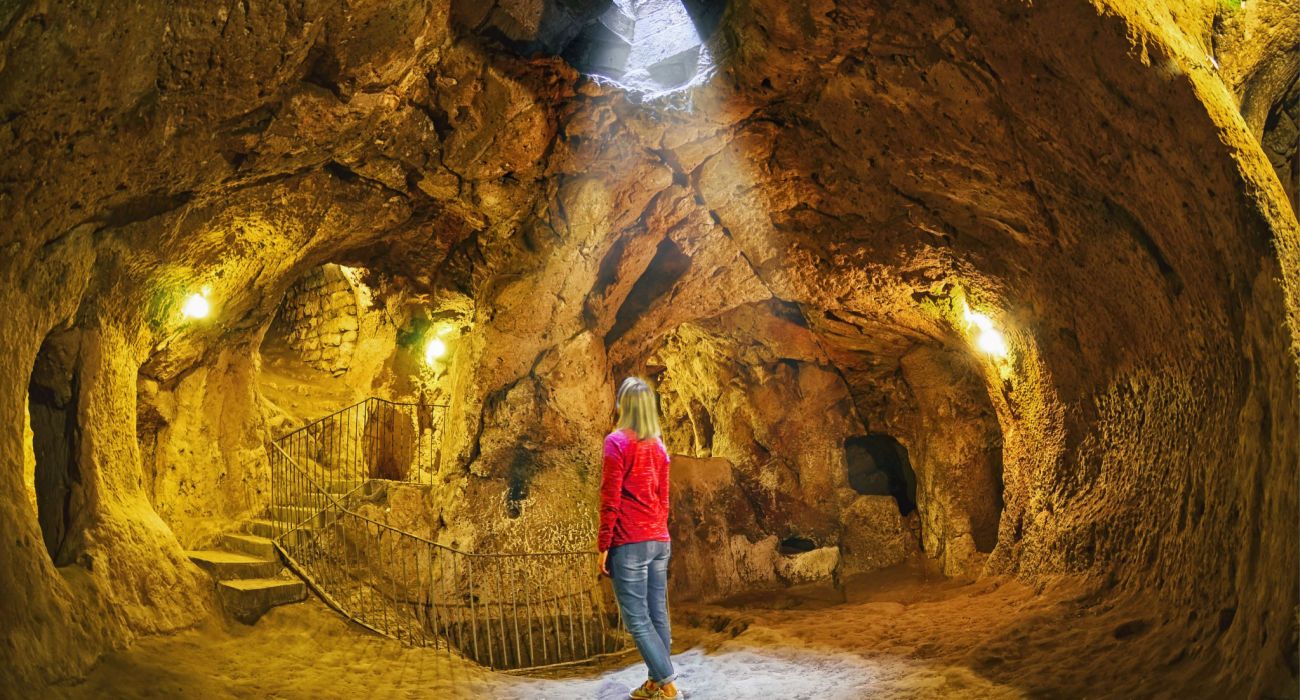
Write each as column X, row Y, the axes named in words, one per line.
column 1254, row 47
column 772, row 421
column 1077, row 170
column 29, row 460
column 202, row 441
column 1281, row 141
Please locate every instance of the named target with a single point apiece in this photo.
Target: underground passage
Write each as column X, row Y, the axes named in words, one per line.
column 877, row 465
column 650, row 348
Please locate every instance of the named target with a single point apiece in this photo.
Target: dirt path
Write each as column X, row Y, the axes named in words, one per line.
column 894, row 637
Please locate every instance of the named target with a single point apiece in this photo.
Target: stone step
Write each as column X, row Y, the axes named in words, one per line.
column 298, row 514
column 247, row 600
column 261, row 527
column 309, row 499
column 252, row 545
column 334, row 488
column 224, row 566
column 346, row 486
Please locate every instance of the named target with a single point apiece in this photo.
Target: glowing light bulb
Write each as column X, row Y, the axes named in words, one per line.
column 196, row 306
column 989, row 339
column 992, row 342
column 433, row 350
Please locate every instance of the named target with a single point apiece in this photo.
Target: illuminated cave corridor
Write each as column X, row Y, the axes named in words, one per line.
column 974, row 327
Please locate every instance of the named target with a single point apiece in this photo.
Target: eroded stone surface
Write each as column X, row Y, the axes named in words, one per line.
column 791, row 258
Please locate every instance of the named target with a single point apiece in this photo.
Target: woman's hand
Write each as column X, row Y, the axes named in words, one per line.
column 604, row 562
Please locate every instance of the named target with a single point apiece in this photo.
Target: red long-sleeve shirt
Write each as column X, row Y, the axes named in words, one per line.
column 633, row 491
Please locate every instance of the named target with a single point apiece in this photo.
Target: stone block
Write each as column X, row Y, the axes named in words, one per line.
column 330, row 274
column 247, row 600
column 875, row 534
column 807, row 567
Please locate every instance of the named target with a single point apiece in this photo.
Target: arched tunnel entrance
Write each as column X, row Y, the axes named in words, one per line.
column 878, row 466
column 318, row 320
column 335, row 334
column 56, row 434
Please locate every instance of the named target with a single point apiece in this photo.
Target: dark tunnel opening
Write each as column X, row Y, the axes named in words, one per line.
column 878, row 466
column 52, row 405
column 794, row 544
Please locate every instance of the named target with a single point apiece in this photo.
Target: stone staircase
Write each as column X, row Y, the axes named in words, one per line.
column 246, row 566
column 249, row 575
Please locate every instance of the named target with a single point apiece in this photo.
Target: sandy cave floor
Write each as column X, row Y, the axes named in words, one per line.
column 899, row 635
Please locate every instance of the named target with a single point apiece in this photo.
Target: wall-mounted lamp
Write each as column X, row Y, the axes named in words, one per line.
column 196, row 305
column 988, row 338
column 434, row 350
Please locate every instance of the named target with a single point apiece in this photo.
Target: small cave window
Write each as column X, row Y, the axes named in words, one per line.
column 794, row 544
column 56, row 434
column 649, row 47
column 318, row 322
column 878, row 466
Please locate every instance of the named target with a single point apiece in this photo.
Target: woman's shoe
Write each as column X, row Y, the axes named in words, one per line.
column 647, row 691
column 665, row 689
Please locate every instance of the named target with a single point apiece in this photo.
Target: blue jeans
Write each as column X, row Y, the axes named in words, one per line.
column 640, row 575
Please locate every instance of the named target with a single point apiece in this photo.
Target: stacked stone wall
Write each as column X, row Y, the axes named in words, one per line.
column 319, row 319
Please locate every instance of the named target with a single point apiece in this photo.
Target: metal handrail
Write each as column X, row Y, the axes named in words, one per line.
column 343, row 507
column 409, row 587
column 345, row 409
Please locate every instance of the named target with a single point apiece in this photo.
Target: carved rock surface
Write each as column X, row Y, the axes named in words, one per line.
column 790, row 249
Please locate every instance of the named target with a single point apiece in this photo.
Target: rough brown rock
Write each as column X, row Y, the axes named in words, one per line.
column 791, row 256
column 875, row 535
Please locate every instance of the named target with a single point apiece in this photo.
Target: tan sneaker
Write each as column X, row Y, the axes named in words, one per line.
column 664, row 691
column 647, row 691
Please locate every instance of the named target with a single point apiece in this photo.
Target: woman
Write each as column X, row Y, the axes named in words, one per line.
column 633, row 542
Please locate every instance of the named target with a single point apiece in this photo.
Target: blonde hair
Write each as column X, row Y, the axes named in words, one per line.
column 638, row 410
